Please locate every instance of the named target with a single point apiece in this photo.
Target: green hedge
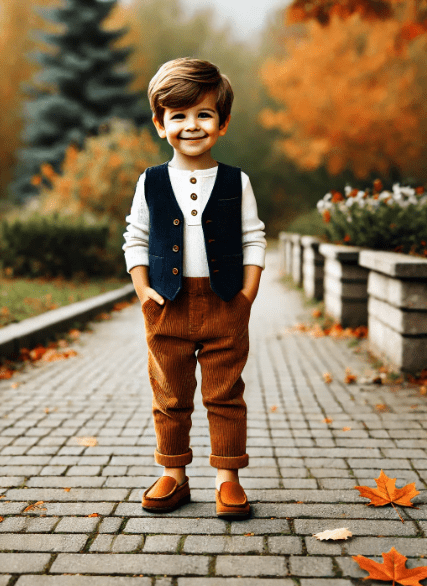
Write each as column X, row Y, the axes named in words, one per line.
column 51, row 246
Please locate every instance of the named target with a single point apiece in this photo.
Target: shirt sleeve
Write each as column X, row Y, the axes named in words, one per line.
column 138, row 229
column 253, row 234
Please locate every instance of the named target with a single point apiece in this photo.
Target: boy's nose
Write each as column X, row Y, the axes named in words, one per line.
column 192, row 124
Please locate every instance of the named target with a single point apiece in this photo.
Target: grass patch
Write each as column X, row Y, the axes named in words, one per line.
column 21, row 298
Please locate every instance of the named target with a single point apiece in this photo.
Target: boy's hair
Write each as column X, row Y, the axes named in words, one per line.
column 183, row 82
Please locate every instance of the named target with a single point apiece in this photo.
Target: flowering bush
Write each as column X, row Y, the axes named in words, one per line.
column 376, row 218
column 100, row 178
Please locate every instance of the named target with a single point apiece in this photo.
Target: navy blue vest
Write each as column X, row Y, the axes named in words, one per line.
column 222, row 229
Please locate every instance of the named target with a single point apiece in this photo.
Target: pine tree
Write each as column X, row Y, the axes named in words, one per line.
column 82, row 84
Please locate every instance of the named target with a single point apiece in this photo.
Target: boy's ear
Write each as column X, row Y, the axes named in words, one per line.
column 159, row 127
column 224, row 127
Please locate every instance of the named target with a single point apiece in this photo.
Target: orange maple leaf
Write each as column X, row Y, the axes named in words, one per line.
column 393, row 569
column 387, row 493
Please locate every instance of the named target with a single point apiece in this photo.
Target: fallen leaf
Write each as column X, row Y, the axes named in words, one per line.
column 346, row 428
column 6, row 373
column 381, row 407
column 248, row 534
column 300, row 502
column 15, row 385
column 273, row 408
column 35, row 507
column 327, row 420
column 423, row 390
column 388, row 493
column 88, row 442
column 327, row 377
column 316, row 313
column 393, row 569
column 67, row 489
column 94, row 515
column 349, row 376
column 2, row 496
column 341, row 533
column 1, row 519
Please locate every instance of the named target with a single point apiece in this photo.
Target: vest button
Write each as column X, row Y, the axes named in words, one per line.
column 175, row 247
column 175, row 271
column 194, row 212
column 176, row 222
column 193, row 196
column 193, row 180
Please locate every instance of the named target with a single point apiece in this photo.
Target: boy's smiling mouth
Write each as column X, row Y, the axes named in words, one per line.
column 193, row 137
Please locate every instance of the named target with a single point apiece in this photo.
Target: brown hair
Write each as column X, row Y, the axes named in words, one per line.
column 183, row 82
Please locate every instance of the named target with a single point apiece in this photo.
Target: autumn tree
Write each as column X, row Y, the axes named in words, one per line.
column 353, row 94
column 83, row 84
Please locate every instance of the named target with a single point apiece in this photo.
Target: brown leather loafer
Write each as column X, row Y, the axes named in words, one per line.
column 166, row 495
column 231, row 501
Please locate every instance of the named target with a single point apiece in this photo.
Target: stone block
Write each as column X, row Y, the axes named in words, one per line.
column 402, row 321
column 250, row 566
column 23, row 563
column 400, row 293
column 297, row 261
column 394, row 264
column 345, row 271
column 350, row 313
column 405, row 352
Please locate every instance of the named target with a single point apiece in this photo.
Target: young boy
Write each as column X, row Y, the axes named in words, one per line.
column 195, row 249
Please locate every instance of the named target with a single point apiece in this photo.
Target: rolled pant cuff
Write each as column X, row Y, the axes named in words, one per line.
column 229, row 463
column 173, row 461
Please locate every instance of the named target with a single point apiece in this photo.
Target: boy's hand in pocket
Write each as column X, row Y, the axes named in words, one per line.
column 149, row 293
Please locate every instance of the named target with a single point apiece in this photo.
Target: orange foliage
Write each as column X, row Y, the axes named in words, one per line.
column 393, row 569
column 100, row 178
column 18, row 20
column 387, row 493
column 353, row 94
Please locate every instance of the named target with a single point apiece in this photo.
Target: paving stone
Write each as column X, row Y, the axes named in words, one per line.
column 376, row 546
column 310, row 566
column 75, row 494
column 5, row 579
column 234, row 582
column 102, row 543
column 88, row 581
column 23, row 563
column 285, row 544
column 174, row 525
column 165, row 543
column 49, row 542
column 324, row 582
column 77, row 525
column 259, row 526
column 250, row 566
column 110, row 525
column 122, row 563
column 65, row 481
column 316, row 547
column 126, row 543
column 310, row 526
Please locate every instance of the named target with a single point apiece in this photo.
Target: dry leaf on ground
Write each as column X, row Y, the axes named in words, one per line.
column 273, row 408
column 35, row 507
column 327, row 420
column 1, row 519
column 88, row 442
column 386, row 492
column 67, row 489
column 327, row 377
column 341, row 533
column 392, row 570
column 346, row 429
column 349, row 376
column 94, row 515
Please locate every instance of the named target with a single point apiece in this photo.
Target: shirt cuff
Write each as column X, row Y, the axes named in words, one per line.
column 135, row 256
column 254, row 255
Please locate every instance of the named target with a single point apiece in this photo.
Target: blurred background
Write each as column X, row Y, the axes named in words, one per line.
column 326, row 93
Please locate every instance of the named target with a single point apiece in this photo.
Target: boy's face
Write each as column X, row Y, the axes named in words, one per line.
column 192, row 131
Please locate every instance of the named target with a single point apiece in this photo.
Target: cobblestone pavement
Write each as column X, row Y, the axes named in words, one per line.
column 90, row 528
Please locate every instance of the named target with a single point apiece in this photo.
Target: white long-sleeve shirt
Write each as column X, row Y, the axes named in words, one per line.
column 192, row 197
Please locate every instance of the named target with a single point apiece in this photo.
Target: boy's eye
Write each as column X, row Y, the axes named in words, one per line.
column 177, row 117
column 204, row 115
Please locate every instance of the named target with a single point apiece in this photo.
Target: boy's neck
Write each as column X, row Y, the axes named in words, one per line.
column 186, row 163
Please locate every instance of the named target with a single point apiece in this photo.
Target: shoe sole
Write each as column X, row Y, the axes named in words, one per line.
column 246, row 514
column 186, row 499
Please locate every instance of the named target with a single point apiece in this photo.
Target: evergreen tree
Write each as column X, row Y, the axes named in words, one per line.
column 82, row 85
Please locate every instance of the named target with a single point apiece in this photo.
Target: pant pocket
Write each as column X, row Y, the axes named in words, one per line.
column 152, row 311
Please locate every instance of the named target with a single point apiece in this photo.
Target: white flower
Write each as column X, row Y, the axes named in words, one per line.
column 347, row 190
column 350, row 201
column 407, row 191
column 328, row 196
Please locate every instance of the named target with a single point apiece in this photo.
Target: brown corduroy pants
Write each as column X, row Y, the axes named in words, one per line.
column 197, row 319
